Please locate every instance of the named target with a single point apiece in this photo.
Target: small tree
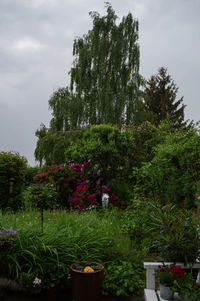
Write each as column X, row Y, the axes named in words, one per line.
column 43, row 197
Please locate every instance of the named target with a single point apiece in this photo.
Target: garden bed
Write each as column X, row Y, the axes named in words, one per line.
column 65, row 239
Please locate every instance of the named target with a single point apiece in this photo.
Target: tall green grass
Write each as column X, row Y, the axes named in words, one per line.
column 67, row 238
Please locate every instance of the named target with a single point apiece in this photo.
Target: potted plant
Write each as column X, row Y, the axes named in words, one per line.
column 187, row 288
column 6, row 238
column 166, row 275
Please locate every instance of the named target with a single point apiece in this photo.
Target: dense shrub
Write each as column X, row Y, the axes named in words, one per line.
column 78, row 186
column 29, row 174
column 12, row 166
column 145, row 137
column 43, row 196
column 90, row 188
column 123, row 278
column 135, row 223
column 174, row 173
column 109, row 148
column 62, row 177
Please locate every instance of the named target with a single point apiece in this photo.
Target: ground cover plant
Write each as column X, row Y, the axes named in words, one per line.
column 68, row 238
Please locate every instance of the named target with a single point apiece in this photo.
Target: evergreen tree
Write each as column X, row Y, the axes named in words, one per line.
column 160, row 100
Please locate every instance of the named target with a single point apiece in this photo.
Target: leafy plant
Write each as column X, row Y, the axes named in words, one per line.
column 135, row 224
column 7, row 237
column 176, row 233
column 12, row 166
column 123, row 278
column 173, row 175
column 187, row 287
column 37, row 281
column 43, row 196
column 107, row 147
column 168, row 274
column 63, row 179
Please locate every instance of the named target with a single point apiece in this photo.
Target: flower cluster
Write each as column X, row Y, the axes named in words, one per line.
column 36, row 281
column 79, row 186
column 7, row 236
column 177, row 271
column 168, row 273
column 89, row 188
column 88, row 269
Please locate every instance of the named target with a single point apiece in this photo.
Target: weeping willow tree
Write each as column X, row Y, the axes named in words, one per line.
column 104, row 80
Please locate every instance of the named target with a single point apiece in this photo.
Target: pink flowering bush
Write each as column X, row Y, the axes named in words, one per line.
column 89, row 188
column 79, row 186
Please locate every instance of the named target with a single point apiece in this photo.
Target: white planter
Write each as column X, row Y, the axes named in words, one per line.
column 166, row 293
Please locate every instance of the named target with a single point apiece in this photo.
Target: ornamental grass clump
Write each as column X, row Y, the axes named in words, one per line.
column 7, row 237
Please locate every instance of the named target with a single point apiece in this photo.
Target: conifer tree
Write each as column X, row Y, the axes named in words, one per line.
column 160, row 99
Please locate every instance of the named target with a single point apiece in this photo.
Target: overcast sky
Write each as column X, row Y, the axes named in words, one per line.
column 36, row 39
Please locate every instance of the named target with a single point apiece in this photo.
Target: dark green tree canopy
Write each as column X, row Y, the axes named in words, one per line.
column 160, row 99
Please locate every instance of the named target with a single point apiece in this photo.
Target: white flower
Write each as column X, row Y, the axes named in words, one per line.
column 36, row 281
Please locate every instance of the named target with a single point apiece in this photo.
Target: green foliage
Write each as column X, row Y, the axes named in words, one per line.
column 67, row 238
column 104, row 77
column 35, row 282
column 62, row 177
column 145, row 137
column 29, row 174
column 121, row 188
column 107, row 147
column 52, row 143
column 104, row 85
column 174, row 173
column 123, row 278
column 135, row 224
column 12, row 166
column 160, row 100
column 43, row 196
column 176, row 233
column 187, row 287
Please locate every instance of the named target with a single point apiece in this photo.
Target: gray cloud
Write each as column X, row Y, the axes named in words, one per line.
column 36, row 54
